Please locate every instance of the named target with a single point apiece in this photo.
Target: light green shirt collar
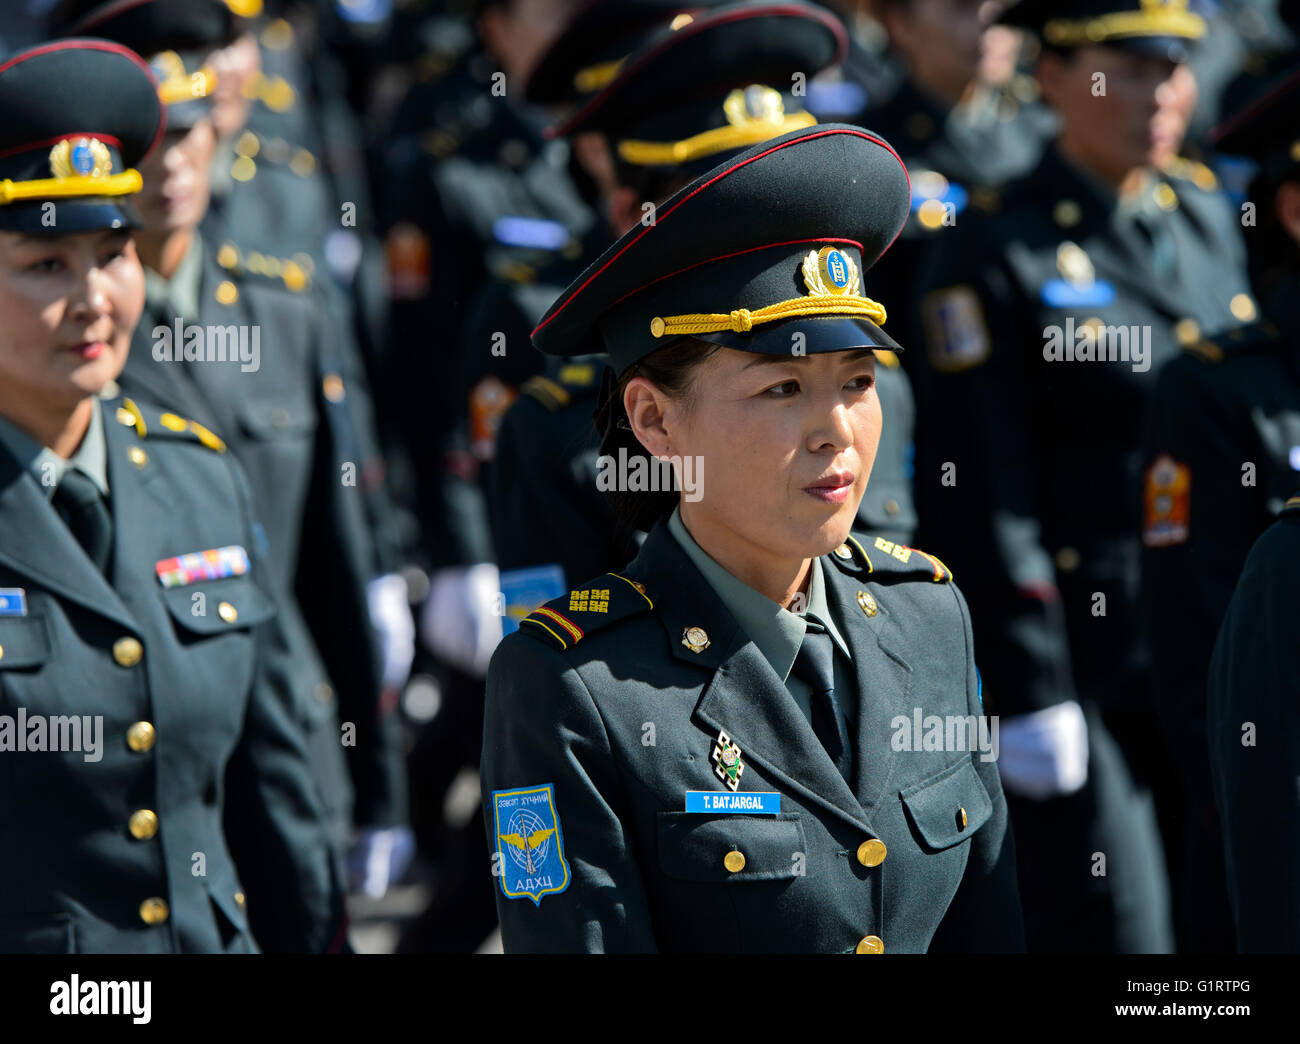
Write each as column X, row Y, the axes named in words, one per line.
column 46, row 467
column 180, row 294
column 776, row 631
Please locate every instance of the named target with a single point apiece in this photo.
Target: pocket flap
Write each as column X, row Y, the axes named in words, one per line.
column 696, row 847
column 949, row 807
column 276, row 420
column 228, row 604
column 24, row 641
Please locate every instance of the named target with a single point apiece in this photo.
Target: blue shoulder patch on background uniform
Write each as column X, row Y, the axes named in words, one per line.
column 529, row 843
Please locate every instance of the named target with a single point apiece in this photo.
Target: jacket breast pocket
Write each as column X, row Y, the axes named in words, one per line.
column 286, row 418
column 24, row 642
column 948, row 808
column 695, row 847
column 213, row 607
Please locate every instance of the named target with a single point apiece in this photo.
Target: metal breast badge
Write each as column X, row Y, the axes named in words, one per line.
column 727, row 765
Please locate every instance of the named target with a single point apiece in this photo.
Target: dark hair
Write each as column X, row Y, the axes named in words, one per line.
column 1273, row 255
column 672, row 370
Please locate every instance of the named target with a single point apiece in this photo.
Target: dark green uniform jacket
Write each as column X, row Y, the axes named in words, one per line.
column 290, row 421
column 1222, row 456
column 613, row 698
column 127, row 852
column 1028, row 463
column 1254, row 729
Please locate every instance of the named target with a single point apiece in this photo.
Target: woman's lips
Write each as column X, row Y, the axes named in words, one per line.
column 833, row 490
column 90, row 349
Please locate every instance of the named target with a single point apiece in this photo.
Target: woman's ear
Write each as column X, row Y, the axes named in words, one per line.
column 651, row 415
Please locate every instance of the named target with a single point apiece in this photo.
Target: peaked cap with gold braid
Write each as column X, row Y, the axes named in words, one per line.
column 78, row 116
column 1162, row 27
column 769, row 252
column 699, row 90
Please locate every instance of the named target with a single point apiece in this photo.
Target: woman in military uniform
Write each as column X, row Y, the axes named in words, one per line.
column 143, row 714
column 719, row 747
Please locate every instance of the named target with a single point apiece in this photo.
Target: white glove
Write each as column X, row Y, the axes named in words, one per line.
column 1044, row 754
column 378, row 858
column 460, row 621
column 390, row 615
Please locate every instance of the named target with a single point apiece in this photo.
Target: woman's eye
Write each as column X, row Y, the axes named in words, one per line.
column 783, row 390
column 48, row 264
column 863, row 382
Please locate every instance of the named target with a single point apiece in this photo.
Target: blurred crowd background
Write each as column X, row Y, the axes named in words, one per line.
column 430, row 175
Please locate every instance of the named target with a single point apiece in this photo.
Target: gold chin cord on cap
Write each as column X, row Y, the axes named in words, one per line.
column 742, row 320
column 1157, row 18
column 123, row 184
column 188, row 88
column 706, row 143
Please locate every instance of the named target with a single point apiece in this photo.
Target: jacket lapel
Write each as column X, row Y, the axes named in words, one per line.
column 884, row 683
column 744, row 695
column 35, row 542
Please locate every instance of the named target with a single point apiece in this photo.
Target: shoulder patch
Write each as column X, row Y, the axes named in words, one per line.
column 1292, row 506
column 152, row 423
column 1166, row 503
column 529, row 843
column 956, row 334
column 551, row 394
column 566, row 620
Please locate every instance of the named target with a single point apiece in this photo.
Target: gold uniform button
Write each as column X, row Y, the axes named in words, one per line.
column 137, row 456
column 1067, row 213
column 172, row 422
column 227, row 292
column 141, row 736
column 2, row 652
column 324, row 692
column 227, row 612
column 154, row 910
column 891, row 506
column 843, row 552
column 1243, row 307
column 125, row 417
column 240, row 900
column 1187, row 331
column 734, row 861
column 1166, row 198
column 961, row 819
column 332, row 386
column 657, row 327
column 870, row 944
column 872, row 852
column 228, row 255
column 127, row 652
column 1068, row 559
column 243, row 169
column 143, row 824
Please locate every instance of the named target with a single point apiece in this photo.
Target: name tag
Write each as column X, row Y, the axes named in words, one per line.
column 13, row 601
column 753, row 802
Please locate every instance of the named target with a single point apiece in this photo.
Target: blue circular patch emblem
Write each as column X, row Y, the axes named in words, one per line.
column 83, row 160
column 838, row 270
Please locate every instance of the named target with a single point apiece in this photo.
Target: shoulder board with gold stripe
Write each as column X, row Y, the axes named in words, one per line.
column 1292, row 506
column 152, row 423
column 1239, row 340
column 889, row 560
column 292, row 273
column 566, row 620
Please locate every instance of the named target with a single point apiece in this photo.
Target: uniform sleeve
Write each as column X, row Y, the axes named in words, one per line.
column 273, row 820
column 1188, row 576
column 985, row 914
column 542, row 727
column 977, row 480
column 339, row 554
column 1253, row 678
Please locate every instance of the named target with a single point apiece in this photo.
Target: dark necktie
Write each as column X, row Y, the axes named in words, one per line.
column 815, row 665
column 78, row 500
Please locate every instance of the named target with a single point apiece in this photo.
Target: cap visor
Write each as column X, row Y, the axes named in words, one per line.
column 68, row 216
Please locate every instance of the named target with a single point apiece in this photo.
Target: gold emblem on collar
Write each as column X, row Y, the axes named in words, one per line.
column 866, row 603
column 80, row 158
column 696, row 639
column 830, row 272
